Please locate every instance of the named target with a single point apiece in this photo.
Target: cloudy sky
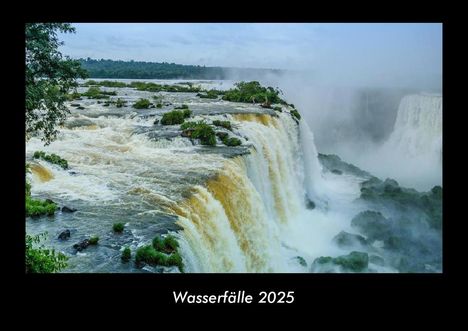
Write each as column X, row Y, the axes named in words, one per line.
column 385, row 50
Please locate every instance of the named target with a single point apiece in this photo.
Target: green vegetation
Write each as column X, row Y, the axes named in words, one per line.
column 118, row 227
column 183, row 106
column 167, row 245
column 41, row 259
column 142, row 104
column 126, row 254
column 199, row 130
column 353, row 262
column 105, row 83
column 211, row 94
column 52, row 158
column 74, row 96
column 301, row 261
column 162, row 252
column 119, row 103
column 153, row 87
column 278, row 108
column 94, row 92
column 159, row 105
column 295, row 114
column 35, row 207
column 232, row 141
column 93, row 240
column 224, row 124
column 147, row 70
column 175, row 116
column 49, row 77
column 252, row 92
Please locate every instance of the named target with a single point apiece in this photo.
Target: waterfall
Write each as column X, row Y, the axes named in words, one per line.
column 418, row 127
column 236, row 222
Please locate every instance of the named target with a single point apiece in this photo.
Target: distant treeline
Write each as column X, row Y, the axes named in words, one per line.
column 154, row 70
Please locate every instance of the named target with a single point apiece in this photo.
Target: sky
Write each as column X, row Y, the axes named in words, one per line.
column 347, row 51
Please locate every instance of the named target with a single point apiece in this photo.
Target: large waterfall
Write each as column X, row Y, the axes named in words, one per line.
column 237, row 223
column 418, row 128
column 264, row 206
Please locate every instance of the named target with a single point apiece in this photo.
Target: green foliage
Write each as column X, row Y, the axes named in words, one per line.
column 35, row 207
column 93, row 240
column 126, row 254
column 142, row 104
column 232, row 141
column 147, row 70
column 108, row 83
column 74, row 96
column 295, row 114
column 167, row 245
column 95, row 92
column 153, row 87
column 252, row 92
column 176, row 259
column 159, row 105
column 49, row 77
column 149, row 255
column 52, row 158
column 183, row 106
column 353, row 262
column 212, row 94
column 224, row 124
column 173, row 117
column 119, row 103
column 41, row 259
column 118, row 227
column 161, row 252
column 278, row 108
column 200, row 130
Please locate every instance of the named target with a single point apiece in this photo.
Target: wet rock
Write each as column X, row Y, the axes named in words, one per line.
column 337, row 172
column 72, row 172
column 64, row 235
column 301, row 261
column 353, row 262
column 66, row 209
column 81, row 245
column 156, row 121
column 187, row 133
column 347, row 240
column 391, row 186
column 310, row 204
column 372, row 224
column 49, row 201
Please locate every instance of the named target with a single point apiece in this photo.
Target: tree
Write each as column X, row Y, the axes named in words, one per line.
column 49, row 77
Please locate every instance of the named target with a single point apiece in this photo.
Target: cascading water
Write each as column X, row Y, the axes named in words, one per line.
column 418, row 127
column 413, row 152
column 242, row 209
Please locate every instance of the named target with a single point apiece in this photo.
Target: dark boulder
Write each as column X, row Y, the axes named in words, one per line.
column 81, row 245
column 337, row 172
column 66, row 209
column 64, row 235
column 309, row 204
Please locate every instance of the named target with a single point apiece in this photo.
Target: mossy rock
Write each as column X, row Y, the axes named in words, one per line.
column 353, row 262
column 348, row 240
column 372, row 224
